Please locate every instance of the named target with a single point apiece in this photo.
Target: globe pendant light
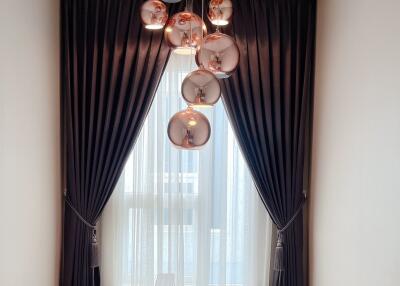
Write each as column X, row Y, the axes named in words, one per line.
column 184, row 32
column 219, row 54
column 154, row 14
column 189, row 129
column 220, row 12
column 201, row 88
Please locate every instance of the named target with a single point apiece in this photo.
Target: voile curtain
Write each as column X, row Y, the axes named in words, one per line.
column 111, row 67
column 194, row 216
column 269, row 103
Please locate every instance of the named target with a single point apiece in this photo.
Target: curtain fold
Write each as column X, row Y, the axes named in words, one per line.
column 111, row 67
column 269, row 103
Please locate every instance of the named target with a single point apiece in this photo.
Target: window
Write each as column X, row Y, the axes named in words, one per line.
column 193, row 214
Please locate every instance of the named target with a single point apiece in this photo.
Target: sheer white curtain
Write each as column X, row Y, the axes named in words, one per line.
column 194, row 216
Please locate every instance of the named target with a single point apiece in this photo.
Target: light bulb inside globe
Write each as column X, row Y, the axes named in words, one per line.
column 184, row 51
column 153, row 14
column 189, row 129
column 219, row 54
column 220, row 12
column 201, row 88
column 219, row 22
column 184, row 32
column 192, row 123
column 154, row 26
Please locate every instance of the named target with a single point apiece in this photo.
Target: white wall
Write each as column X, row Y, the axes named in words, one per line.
column 355, row 201
column 29, row 143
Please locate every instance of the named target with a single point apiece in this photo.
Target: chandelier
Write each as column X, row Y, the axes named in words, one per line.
column 216, row 55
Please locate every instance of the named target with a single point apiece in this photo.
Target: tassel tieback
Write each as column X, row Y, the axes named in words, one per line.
column 94, row 259
column 279, row 264
column 278, row 261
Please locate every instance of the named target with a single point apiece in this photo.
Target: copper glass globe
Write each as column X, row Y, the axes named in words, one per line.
column 184, row 32
column 189, row 129
column 220, row 12
column 154, row 14
column 219, row 54
column 201, row 88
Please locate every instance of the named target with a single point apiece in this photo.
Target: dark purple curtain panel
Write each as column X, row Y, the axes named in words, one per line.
column 111, row 67
column 269, row 102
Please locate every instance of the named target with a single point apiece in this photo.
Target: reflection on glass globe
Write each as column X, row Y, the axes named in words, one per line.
column 154, row 14
column 219, row 54
column 184, row 32
column 201, row 88
column 189, row 129
column 220, row 12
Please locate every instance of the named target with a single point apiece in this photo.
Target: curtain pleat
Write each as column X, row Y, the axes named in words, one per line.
column 269, row 103
column 111, row 67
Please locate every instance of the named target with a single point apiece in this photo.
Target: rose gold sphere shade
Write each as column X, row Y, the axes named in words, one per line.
column 201, row 88
column 219, row 54
column 189, row 129
column 184, row 31
column 154, row 14
column 220, row 12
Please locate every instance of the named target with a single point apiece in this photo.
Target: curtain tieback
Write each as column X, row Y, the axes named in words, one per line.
column 278, row 261
column 94, row 260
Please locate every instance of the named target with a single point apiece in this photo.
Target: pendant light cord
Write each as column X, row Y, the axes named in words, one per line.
column 191, row 34
column 202, row 29
column 189, row 5
column 202, row 19
column 218, row 16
